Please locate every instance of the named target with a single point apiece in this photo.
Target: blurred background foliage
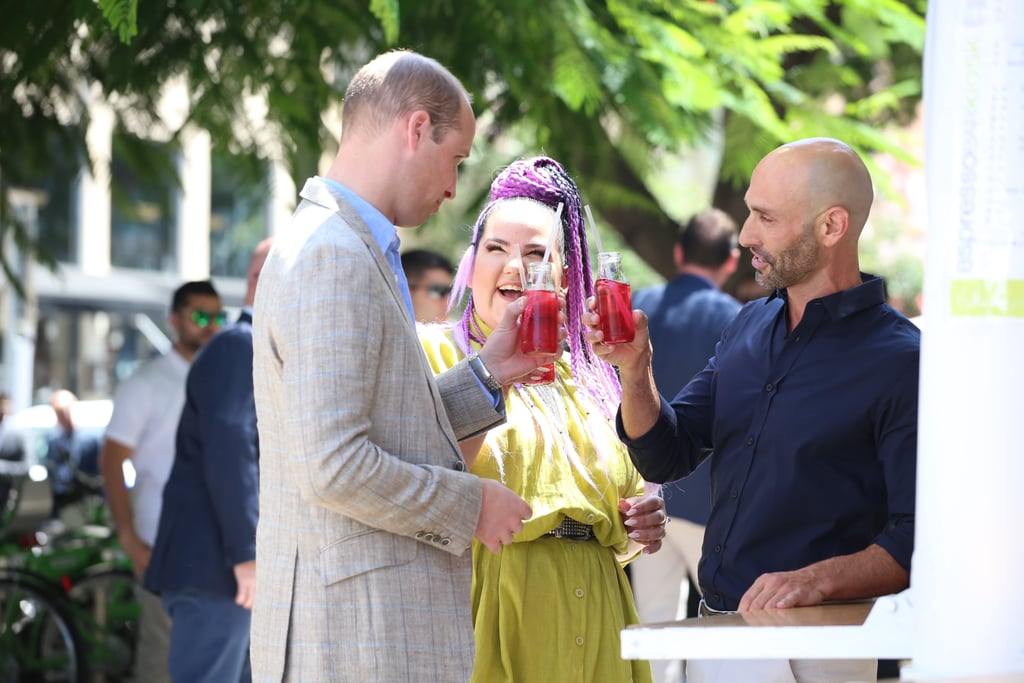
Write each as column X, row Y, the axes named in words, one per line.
column 658, row 107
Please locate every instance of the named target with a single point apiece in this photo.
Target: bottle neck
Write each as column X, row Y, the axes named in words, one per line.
column 610, row 269
column 539, row 278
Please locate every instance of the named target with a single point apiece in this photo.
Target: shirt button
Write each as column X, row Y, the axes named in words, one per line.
column 718, row 548
column 460, row 466
column 750, row 441
column 579, row 592
column 734, row 494
column 590, row 517
column 716, row 598
column 579, row 640
column 769, row 386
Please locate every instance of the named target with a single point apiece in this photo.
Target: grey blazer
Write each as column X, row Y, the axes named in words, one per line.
column 366, row 510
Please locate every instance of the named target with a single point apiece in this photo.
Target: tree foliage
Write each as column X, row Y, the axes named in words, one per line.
column 122, row 16
column 610, row 87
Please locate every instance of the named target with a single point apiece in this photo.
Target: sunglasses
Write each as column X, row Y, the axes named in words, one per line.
column 434, row 291
column 204, row 318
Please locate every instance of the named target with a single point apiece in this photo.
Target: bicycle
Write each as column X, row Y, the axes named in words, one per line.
column 68, row 600
column 39, row 638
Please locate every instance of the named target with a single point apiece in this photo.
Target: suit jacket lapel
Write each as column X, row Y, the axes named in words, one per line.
column 320, row 193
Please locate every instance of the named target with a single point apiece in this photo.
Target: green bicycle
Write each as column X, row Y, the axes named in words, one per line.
column 69, row 606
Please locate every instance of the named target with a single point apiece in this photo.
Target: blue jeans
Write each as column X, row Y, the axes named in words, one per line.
column 209, row 638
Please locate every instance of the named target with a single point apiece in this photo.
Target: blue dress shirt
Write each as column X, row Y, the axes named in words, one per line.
column 814, row 435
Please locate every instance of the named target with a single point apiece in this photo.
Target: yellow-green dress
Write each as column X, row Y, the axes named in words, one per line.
column 546, row 608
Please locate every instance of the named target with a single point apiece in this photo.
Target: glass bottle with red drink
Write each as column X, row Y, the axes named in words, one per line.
column 614, row 299
column 538, row 332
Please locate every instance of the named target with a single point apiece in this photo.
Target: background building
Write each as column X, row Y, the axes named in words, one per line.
column 125, row 232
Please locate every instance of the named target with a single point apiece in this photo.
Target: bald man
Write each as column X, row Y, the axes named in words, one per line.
column 808, row 409
column 69, row 455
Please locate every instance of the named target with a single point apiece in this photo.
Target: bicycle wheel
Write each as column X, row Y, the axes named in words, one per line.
column 107, row 613
column 38, row 638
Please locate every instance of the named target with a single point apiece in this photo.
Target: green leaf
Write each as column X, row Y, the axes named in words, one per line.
column 387, row 12
column 122, row 16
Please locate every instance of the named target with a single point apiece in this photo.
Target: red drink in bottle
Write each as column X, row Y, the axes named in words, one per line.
column 614, row 299
column 614, row 305
column 538, row 332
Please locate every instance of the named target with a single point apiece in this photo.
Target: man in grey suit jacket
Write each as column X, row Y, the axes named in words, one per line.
column 366, row 508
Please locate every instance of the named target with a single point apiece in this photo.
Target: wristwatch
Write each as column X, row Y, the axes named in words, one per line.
column 482, row 373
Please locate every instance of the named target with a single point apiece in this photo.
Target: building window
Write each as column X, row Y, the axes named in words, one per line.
column 142, row 188
column 90, row 351
column 238, row 212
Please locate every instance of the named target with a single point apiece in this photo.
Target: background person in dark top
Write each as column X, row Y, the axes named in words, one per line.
column 72, row 459
column 811, row 396
column 686, row 317
column 203, row 564
column 430, row 284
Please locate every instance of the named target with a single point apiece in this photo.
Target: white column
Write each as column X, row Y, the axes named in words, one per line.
column 282, row 200
column 93, row 194
column 969, row 559
column 193, row 214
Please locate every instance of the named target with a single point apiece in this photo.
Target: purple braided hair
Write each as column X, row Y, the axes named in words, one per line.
column 543, row 179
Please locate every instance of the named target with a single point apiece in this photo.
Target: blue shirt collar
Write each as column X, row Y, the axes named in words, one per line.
column 870, row 292
column 384, row 232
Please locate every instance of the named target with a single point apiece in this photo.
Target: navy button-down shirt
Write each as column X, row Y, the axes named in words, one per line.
column 814, row 435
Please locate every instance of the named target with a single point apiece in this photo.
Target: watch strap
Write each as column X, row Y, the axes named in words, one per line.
column 483, row 374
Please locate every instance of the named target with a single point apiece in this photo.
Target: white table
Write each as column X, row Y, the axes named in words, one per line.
column 880, row 629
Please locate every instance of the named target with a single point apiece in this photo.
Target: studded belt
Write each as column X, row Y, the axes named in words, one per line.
column 573, row 530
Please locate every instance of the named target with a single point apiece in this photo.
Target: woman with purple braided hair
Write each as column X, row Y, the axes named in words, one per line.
column 550, row 605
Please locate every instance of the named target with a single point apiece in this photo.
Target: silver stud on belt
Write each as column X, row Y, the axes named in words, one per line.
column 573, row 530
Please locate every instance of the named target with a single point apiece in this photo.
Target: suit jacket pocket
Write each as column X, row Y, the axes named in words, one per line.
column 364, row 552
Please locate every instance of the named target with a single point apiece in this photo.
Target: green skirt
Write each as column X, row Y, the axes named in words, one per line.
column 551, row 610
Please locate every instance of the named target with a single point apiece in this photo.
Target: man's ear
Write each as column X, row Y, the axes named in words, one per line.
column 176, row 322
column 417, row 128
column 834, row 223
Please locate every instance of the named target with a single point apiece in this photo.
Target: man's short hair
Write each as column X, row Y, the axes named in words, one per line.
column 396, row 83
column 415, row 262
column 708, row 238
column 194, row 288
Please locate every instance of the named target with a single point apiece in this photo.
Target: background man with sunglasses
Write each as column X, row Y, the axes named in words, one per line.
column 430, row 284
column 142, row 426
